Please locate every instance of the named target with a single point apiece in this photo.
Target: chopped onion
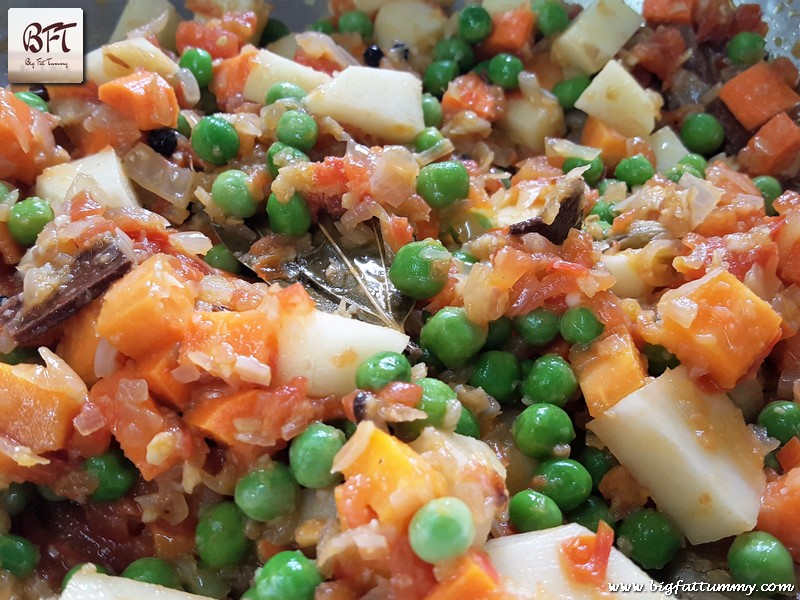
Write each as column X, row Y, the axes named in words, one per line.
column 216, row 289
column 319, row 45
column 150, row 28
column 191, row 242
column 394, row 176
column 89, row 420
column 441, row 149
column 106, row 359
column 22, row 455
column 561, row 148
column 703, row 197
column 187, row 87
column 160, row 176
column 355, row 446
column 787, row 382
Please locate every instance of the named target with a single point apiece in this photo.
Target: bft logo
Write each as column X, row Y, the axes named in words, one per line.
column 45, row 45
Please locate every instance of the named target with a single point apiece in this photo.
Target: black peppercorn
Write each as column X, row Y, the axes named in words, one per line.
column 40, row 91
column 164, row 141
column 372, row 56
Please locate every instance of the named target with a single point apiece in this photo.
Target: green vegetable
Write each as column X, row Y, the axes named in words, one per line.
column 498, row 373
column 551, row 16
column 579, row 325
column 504, row 70
column 209, row 583
column 437, row 75
column 702, row 133
column 770, row 189
column 634, row 170
column 250, row 594
column 746, row 48
column 220, row 537
column 68, row 575
column 322, row 26
column 452, row 337
column 281, row 155
column 467, row 424
column 532, row 511
column 420, row 268
column 568, row 91
column 456, row 50
column 551, row 380
column 759, row 558
column 273, row 31
column 427, row 139
column 267, row 492
column 287, row 576
column 114, row 473
column 659, row 359
column 539, row 327
column 442, row 529
column 17, row 555
column 696, row 161
column 675, row 172
column 443, row 183
column 27, row 218
column 221, row 258
column 18, row 355
column 15, row 498
column 649, row 537
column 431, row 110
column 538, row 429
column 564, row 480
column 590, row 513
column 33, row 100
column 381, row 369
column 597, row 462
column 499, row 332
column 602, row 187
column 283, row 91
column 593, row 174
column 781, row 418
column 231, row 193
column 290, row 218
column 464, row 256
column 207, row 103
column 474, row 24
column 215, row 140
column 311, row 455
column 297, row 129
column 198, row 61
column 436, row 396
column 356, row 21
column 183, row 126
column 604, row 210
column 153, row 570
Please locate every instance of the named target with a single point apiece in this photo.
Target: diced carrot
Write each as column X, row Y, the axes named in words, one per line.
column 612, row 144
column 79, row 342
column 774, row 149
column 148, row 309
column 668, row 11
column 473, row 576
column 144, row 97
column 470, row 92
column 511, row 30
column 217, row 41
column 26, row 139
column 156, row 370
column 789, row 455
column 217, row 417
column 230, row 76
column 780, row 506
column 756, row 95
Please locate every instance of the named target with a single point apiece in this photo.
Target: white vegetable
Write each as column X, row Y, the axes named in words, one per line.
column 104, row 168
column 630, row 283
column 87, row 583
column 327, row 349
column 693, row 453
column 382, row 103
column 531, row 562
column 494, row 7
column 372, row 6
column 123, row 58
column 618, row 100
column 141, row 12
column 416, row 23
column 528, row 122
column 285, row 47
column 270, row 68
column 702, row 199
column 668, row 148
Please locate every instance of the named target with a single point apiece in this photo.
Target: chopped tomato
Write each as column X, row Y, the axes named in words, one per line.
column 780, row 506
column 217, row 41
column 662, row 53
column 739, row 252
column 318, row 63
column 27, row 139
column 412, row 578
column 585, row 557
column 470, row 92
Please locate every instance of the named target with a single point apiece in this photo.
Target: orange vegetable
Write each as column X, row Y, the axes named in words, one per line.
column 612, row 144
column 156, row 370
column 230, row 76
column 217, row 41
column 171, row 542
column 473, row 576
column 585, row 557
column 470, row 92
column 717, row 326
column 510, row 31
column 10, row 250
column 780, row 506
column 144, row 97
column 789, row 455
column 217, row 417
column 773, row 150
column 608, row 370
column 26, row 139
column 78, row 345
column 757, row 95
column 668, row 11
column 147, row 310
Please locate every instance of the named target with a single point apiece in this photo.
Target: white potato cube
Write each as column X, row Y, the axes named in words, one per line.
column 286, row 46
column 87, row 583
column 270, row 68
column 102, row 173
column 667, row 147
column 123, row 58
column 494, row 7
column 692, row 451
column 531, row 562
column 416, row 23
column 528, row 123
column 618, row 100
column 630, row 283
column 327, row 349
column 381, row 103
column 140, row 12
column 596, row 35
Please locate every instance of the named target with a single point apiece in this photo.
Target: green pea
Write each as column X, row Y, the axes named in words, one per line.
column 540, row 428
column 287, row 576
column 33, row 101
column 580, row 326
column 283, row 91
column 436, row 397
column 209, row 583
column 17, row 555
column 499, row 333
column 311, row 455
column 539, row 327
column 746, row 48
column 759, row 558
column 273, row 31
column 15, row 498
column 215, row 140
column 474, row 24
column 504, row 70
column 221, row 258
column 207, row 103
column 464, row 256
column 198, row 61
column 456, row 50
column 68, row 575
column 19, row 355
column 771, row 462
column 593, row 174
column 649, row 537
column 297, row 129
column 281, row 155
column 250, row 594
column 564, row 480
column 634, row 170
column 114, row 473
column 442, row 529
column 498, row 374
column 443, row 183
column 437, row 76
column 551, row 16
column 267, row 492
column 420, row 269
column 153, row 570
column 381, row 369
column 219, row 536
column 467, row 424
column 231, row 193
column 696, row 161
column 590, row 513
column 781, row 418
column 452, row 337
column 702, row 133
column 290, row 218
column 602, row 186
column 770, row 189
column 659, row 359
column 183, row 126
column 526, row 366
column 550, row 381
column 322, row 26
column 482, row 70
column 27, row 218
column 431, row 111
column 356, row 21
column 568, row 91
column 427, row 139
column 597, row 462
column 532, row 511
column 675, row 172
